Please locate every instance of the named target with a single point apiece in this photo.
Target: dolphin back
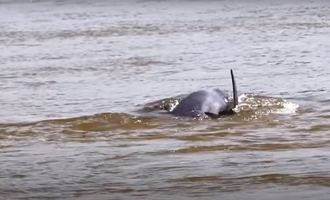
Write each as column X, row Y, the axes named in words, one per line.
column 212, row 102
column 203, row 102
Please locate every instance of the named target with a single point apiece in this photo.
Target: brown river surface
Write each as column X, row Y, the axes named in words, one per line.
column 83, row 84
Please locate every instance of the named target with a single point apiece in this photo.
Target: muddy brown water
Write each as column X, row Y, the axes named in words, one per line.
column 83, row 82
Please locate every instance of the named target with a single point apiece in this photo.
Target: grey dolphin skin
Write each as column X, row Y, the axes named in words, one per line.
column 212, row 103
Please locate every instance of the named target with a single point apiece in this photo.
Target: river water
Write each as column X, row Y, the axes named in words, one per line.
column 83, row 84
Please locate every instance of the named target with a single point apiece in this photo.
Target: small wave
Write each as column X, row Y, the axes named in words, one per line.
column 147, row 122
column 167, row 104
column 106, row 122
column 250, row 106
column 77, row 128
column 256, row 106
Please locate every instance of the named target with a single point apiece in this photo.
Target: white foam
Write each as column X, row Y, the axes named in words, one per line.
column 288, row 108
column 241, row 98
column 173, row 105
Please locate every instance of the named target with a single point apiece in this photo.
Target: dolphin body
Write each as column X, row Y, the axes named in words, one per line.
column 212, row 103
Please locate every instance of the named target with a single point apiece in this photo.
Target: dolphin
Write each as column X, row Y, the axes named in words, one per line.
column 207, row 103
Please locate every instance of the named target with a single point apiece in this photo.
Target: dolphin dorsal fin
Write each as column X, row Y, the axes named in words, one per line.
column 235, row 98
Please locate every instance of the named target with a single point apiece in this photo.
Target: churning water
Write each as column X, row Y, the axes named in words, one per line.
column 84, row 85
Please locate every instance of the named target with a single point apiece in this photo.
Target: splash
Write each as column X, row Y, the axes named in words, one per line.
column 288, row 108
column 167, row 104
column 258, row 106
column 250, row 106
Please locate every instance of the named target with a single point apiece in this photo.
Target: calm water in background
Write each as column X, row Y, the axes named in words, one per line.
column 77, row 79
